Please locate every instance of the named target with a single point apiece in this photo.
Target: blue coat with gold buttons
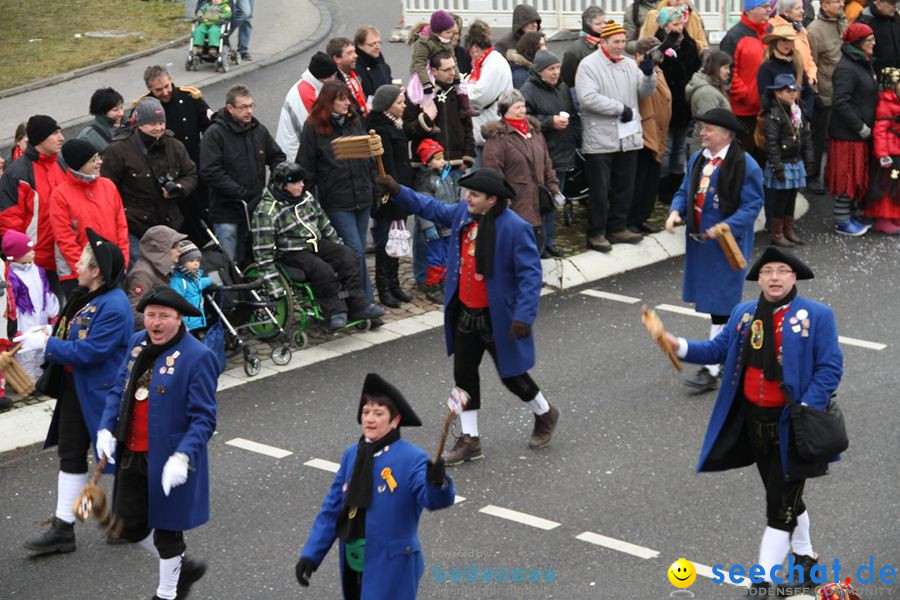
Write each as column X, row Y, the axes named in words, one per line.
column 812, row 365
column 181, row 418
column 393, row 562
column 513, row 290
column 95, row 348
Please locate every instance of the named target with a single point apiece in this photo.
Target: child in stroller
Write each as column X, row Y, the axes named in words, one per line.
column 210, row 35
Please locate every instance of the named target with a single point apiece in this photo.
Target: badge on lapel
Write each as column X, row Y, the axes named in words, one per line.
column 389, row 478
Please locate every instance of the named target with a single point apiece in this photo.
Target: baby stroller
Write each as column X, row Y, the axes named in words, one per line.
column 221, row 59
column 239, row 304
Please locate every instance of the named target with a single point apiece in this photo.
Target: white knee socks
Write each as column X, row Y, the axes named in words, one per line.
column 169, row 570
column 801, row 544
column 773, row 549
column 68, row 487
column 713, row 332
column 539, row 404
column 469, row 422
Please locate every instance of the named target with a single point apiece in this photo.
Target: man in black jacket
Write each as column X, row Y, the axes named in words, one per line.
column 882, row 17
column 372, row 69
column 233, row 157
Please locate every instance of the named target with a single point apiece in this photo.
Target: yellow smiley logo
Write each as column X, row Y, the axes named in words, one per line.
column 682, row 573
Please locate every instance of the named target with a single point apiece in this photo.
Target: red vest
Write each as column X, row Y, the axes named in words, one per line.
column 472, row 286
column 138, row 436
column 759, row 390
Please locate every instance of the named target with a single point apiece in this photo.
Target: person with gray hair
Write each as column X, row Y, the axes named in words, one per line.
column 592, row 20
column 790, row 12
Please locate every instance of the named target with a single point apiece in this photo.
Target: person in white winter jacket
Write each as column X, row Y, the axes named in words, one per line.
column 299, row 100
column 490, row 77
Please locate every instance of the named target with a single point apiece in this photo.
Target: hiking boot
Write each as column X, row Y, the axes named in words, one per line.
column 434, row 293
column 624, row 237
column 599, row 243
column 60, row 537
column 191, row 572
column 338, row 320
column 543, row 428
column 466, row 448
column 702, row 381
column 807, row 563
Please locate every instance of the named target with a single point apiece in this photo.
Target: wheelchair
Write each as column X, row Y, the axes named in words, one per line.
column 222, row 59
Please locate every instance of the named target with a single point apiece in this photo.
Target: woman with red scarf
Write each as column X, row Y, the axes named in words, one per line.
column 490, row 77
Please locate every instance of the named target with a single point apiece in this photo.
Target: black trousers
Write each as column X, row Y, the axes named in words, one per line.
column 785, row 201
column 131, row 506
column 821, row 118
column 646, row 187
column 610, row 180
column 333, row 268
column 74, row 438
column 472, row 335
column 784, row 499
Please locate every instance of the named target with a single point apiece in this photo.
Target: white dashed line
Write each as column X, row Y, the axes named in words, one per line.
column 618, row 545
column 681, row 310
column 519, row 517
column 258, row 448
column 611, row 296
column 706, row 571
column 325, row 465
column 458, row 499
column 861, row 343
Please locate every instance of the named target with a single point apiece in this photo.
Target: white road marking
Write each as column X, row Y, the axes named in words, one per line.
column 706, row 571
column 611, row 296
column 618, row 545
column 519, row 517
column 325, row 465
column 861, row 343
column 258, row 448
column 681, row 310
column 458, row 499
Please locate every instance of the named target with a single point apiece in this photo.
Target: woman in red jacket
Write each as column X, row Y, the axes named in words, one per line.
column 84, row 201
column 884, row 191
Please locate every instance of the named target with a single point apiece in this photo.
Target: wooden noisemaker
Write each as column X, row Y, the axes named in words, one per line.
column 92, row 501
column 722, row 232
column 654, row 325
column 350, row 147
column 14, row 373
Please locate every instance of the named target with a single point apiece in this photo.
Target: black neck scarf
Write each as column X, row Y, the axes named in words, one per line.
column 729, row 182
column 766, row 358
column 351, row 522
column 484, row 242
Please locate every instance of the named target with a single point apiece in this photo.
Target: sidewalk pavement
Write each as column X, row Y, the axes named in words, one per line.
column 26, row 425
column 281, row 29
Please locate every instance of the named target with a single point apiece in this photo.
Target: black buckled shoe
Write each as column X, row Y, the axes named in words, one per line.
column 702, row 381
column 59, row 537
column 191, row 572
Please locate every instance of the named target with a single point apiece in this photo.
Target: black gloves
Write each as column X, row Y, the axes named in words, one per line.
column 428, row 88
column 305, row 568
column 780, row 176
column 646, row 65
column 519, row 330
column 387, row 185
column 435, row 473
column 627, row 115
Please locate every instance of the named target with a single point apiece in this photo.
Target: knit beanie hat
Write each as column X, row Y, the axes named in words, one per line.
column 428, row 149
column 751, row 4
column 856, row 32
column 148, row 110
column 39, row 128
column 16, row 245
column 668, row 13
column 77, row 153
column 441, row 21
column 384, row 97
column 544, row 59
column 322, row 66
column 188, row 251
column 611, row 28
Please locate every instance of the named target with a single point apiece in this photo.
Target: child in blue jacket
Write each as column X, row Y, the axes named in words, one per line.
column 187, row 279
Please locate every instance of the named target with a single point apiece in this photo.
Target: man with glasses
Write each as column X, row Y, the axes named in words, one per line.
column 233, row 157
column 778, row 350
column 723, row 184
column 371, row 67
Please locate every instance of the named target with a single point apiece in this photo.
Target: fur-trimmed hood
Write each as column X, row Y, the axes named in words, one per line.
column 517, row 59
column 496, row 129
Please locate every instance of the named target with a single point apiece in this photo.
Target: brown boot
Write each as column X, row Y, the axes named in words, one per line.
column 789, row 233
column 466, row 448
column 777, row 238
column 543, row 428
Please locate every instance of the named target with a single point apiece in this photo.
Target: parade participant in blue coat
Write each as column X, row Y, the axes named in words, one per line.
column 779, row 349
column 722, row 184
column 375, row 502
column 158, row 419
column 490, row 299
column 84, row 352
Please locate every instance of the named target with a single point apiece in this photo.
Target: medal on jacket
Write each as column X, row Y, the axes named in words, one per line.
column 141, row 394
column 756, row 334
column 389, row 478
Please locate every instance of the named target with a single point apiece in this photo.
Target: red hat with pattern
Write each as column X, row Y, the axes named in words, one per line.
column 857, row 31
column 428, row 149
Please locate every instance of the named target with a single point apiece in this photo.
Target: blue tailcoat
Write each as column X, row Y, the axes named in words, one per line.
column 709, row 281
column 812, row 367
column 513, row 290
column 95, row 348
column 393, row 561
column 181, row 418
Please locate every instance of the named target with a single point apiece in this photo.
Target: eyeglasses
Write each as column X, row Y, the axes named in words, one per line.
column 781, row 272
column 243, row 107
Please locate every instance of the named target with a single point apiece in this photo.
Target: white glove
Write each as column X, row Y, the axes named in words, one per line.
column 106, row 445
column 865, row 132
column 35, row 338
column 175, row 472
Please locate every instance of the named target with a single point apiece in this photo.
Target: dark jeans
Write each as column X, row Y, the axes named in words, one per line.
column 131, row 506
column 74, row 438
column 352, row 227
column 783, row 498
column 820, row 120
column 611, row 181
column 784, row 203
column 472, row 335
column 646, row 187
column 332, row 268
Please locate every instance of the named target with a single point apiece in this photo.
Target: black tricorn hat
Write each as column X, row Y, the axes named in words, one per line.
column 375, row 387
column 165, row 296
column 489, row 181
column 723, row 118
column 775, row 254
column 108, row 256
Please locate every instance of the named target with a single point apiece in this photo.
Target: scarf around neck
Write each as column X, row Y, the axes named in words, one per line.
column 351, row 522
column 766, row 357
column 476, row 66
column 611, row 59
column 20, row 291
column 484, row 240
column 592, row 40
column 520, row 125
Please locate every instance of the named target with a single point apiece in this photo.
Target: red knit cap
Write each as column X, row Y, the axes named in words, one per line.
column 428, row 149
column 856, row 32
column 16, row 245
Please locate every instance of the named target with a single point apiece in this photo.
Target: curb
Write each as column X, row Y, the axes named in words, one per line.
column 326, row 12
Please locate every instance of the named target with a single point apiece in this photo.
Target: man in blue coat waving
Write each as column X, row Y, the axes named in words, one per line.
column 491, row 297
column 778, row 350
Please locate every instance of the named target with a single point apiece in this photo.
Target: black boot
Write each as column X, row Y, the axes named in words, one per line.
column 191, row 572
column 60, row 537
column 396, row 291
column 383, row 279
